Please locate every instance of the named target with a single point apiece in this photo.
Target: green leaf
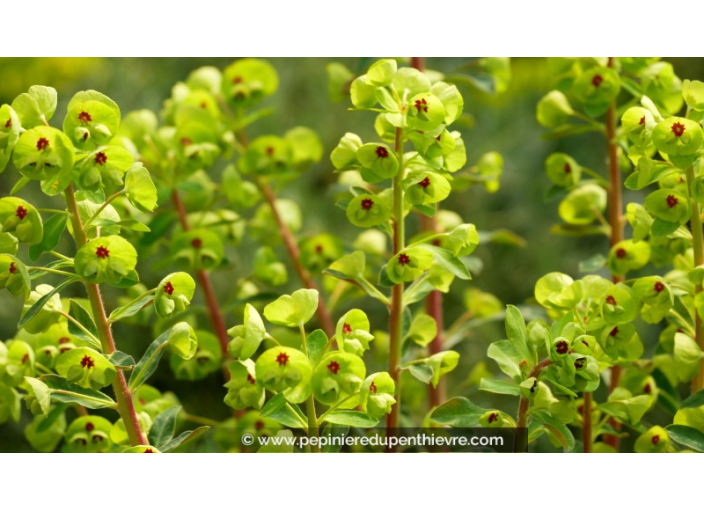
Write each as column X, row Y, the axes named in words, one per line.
column 69, row 393
column 35, row 106
column 694, row 400
column 592, row 264
column 556, row 429
column 36, row 307
column 53, row 228
column 516, row 332
column 458, row 412
column 293, row 310
column 351, row 418
column 164, row 427
column 316, row 341
column 148, row 363
column 141, row 191
column 121, row 360
column 84, row 317
column 448, row 261
column 130, row 309
column 423, row 373
column 41, row 394
column 280, row 410
column 686, row 436
column 500, row 386
column 183, row 438
column 507, row 357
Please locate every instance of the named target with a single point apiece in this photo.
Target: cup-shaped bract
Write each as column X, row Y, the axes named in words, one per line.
column 19, row 218
column 337, row 375
column 92, row 119
column 377, row 394
column 86, row 367
column 352, row 332
column 174, row 294
column 108, row 259
column 409, row 264
column 285, row 370
column 243, row 391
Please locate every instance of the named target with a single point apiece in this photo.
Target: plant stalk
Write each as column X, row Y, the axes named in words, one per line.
column 216, row 318
column 125, row 403
column 698, row 244
column 520, row 444
column 433, row 301
column 616, row 223
column 310, row 405
column 396, row 312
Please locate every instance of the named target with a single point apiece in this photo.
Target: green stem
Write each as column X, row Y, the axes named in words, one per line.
column 698, row 244
column 52, row 211
column 60, row 256
column 50, row 270
column 125, row 404
column 520, row 444
column 101, row 208
column 310, row 405
column 396, row 312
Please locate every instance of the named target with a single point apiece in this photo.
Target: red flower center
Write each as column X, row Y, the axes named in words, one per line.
column 424, row 183
column 282, row 358
column 101, row 159
column 21, row 212
column 678, row 129
column 64, row 340
column 642, row 120
column 579, row 363
column 169, row 288
column 334, row 367
column 13, row 268
column 8, row 124
column 270, row 151
column 346, row 329
column 535, row 385
column 568, row 168
column 90, row 427
column 259, row 425
column 493, row 417
column 404, row 259
column 148, row 450
column 318, row 248
column 102, row 252
column 185, row 141
column 611, row 300
column 367, row 204
column 647, row 389
column 42, row 144
column 672, row 201
column 203, row 105
column 251, row 379
column 237, row 80
column 87, row 362
column 373, row 388
column 196, row 243
column 659, row 287
column 621, row 253
column 561, row 347
column 85, row 117
column 655, row 439
column 421, row 105
column 382, row 152
column 597, row 80
column 614, row 332
column 25, row 358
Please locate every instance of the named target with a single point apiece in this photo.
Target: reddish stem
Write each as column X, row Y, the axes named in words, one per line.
column 211, row 300
column 616, row 222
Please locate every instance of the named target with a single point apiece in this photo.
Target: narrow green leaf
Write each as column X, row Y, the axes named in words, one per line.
column 557, row 429
column 53, row 228
column 500, row 386
column 69, row 393
column 686, row 436
column 130, row 309
column 42, row 301
column 317, row 341
column 164, row 427
column 184, row 438
column 84, row 317
column 148, row 363
column 122, row 360
column 458, row 412
column 282, row 411
column 351, row 418
column 423, row 373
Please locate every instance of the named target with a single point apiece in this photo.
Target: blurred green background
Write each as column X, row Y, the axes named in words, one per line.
column 504, row 123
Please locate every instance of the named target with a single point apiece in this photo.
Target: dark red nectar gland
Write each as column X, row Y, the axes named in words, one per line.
column 580, row 363
column 421, row 105
column 8, row 124
column 621, row 253
column 647, row 389
column 672, row 201
column 493, row 417
column 13, row 268
column 678, row 129
column 282, row 359
column 64, row 340
column 148, row 450
column 236, row 80
column 568, row 168
column 424, row 183
column 270, row 151
column 196, row 243
column 382, row 152
column 346, row 329
column 597, row 80
column 534, row 387
column 372, row 388
column 251, row 379
column 334, row 367
column 659, row 287
column 169, row 288
column 367, row 204
column 90, row 427
column 404, row 259
column 655, row 439
column 614, row 332
column 318, row 248
column 185, row 141
column 87, row 362
column 85, row 117
column 21, row 212
column 611, row 300
column 562, row 347
column 101, row 159
column 25, row 358
column 102, row 252
column 642, row 120
column 42, row 144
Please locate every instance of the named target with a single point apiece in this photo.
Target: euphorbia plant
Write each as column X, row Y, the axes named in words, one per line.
column 64, row 353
